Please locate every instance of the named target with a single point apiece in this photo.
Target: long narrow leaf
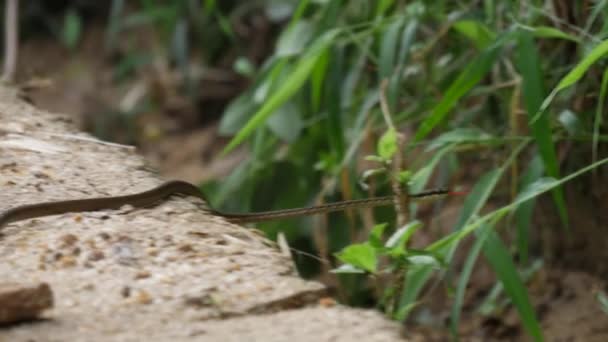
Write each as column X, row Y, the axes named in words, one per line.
column 533, row 93
column 523, row 213
column 465, row 275
column 500, row 259
column 293, row 83
column 476, row 31
column 575, row 74
column 598, row 114
column 417, row 278
column 467, row 79
column 473, row 226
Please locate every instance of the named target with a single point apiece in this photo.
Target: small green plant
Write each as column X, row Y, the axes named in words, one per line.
column 72, row 28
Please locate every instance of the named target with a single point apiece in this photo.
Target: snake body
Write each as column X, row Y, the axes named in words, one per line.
column 160, row 193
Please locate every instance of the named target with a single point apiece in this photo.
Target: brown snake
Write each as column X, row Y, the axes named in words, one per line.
column 155, row 195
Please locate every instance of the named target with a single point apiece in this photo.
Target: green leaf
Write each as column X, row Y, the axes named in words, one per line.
column 293, row 83
column 334, row 125
column 279, row 10
column 375, row 236
column 404, row 176
column 423, row 261
column 388, row 49
column 361, row 255
column 418, row 277
column 72, row 29
column 574, row 75
column 422, row 176
column 478, row 196
column 528, row 62
column 382, row 6
column 598, row 114
column 551, row 32
column 581, row 68
column 277, row 71
column 401, row 236
column 387, row 145
column 603, row 300
column 294, row 40
column 477, row 32
column 286, row 124
column 571, row 122
column 464, row 277
column 538, row 186
column 460, row 136
column 243, row 66
column 414, row 282
column 523, row 213
column 499, row 258
column 317, row 79
column 459, row 235
column 236, row 114
column 347, row 269
column 467, row 79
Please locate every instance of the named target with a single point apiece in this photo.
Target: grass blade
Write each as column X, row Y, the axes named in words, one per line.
column 523, row 213
column 477, row 32
column 598, row 115
column 575, row 74
column 500, row 259
column 293, row 83
column 533, row 92
column 473, row 226
column 463, row 280
column 467, row 79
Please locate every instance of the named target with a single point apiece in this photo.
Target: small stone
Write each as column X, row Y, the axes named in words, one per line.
column 90, row 243
column 125, row 291
column 142, row 274
column 20, row 302
column 185, row 248
column 57, row 256
column 104, row 236
column 68, row 240
column 143, row 297
column 40, row 174
column 88, row 287
column 167, row 280
column 96, row 255
column 233, row 267
column 68, row 261
column 327, row 302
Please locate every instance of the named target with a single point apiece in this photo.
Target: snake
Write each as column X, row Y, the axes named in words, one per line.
column 160, row 193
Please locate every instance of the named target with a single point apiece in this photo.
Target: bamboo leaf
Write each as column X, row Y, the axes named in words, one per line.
column 528, row 62
column 581, row 68
column 293, row 83
column 499, row 258
column 467, row 79
column 477, row 32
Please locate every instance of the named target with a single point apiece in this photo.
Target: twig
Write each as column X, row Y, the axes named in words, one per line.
column 401, row 198
column 11, row 33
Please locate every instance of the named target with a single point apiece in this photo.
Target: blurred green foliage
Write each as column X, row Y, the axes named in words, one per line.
column 470, row 75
